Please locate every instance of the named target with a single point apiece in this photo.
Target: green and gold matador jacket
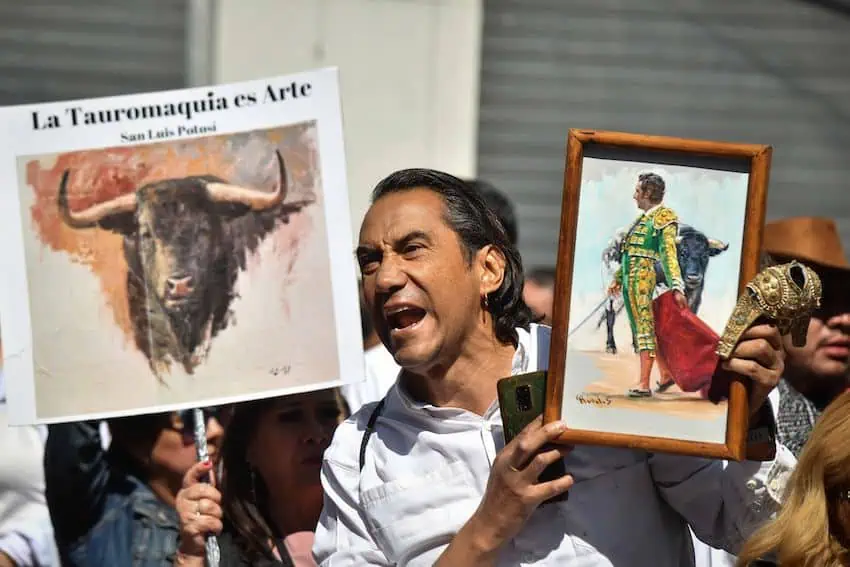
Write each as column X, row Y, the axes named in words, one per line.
column 653, row 237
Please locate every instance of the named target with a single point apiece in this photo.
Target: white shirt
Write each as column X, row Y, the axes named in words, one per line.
column 26, row 532
column 706, row 556
column 426, row 470
column 381, row 373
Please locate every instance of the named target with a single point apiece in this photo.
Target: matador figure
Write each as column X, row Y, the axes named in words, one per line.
column 651, row 239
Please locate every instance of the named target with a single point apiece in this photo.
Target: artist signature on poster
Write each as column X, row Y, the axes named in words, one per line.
column 599, row 400
column 278, row 370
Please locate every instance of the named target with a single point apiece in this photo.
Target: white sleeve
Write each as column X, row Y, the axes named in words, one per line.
column 342, row 537
column 31, row 545
column 723, row 502
column 26, row 531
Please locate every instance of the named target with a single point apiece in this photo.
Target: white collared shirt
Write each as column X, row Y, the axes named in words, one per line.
column 707, row 556
column 426, row 470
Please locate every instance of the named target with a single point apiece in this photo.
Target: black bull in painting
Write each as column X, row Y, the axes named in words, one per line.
column 694, row 249
column 185, row 242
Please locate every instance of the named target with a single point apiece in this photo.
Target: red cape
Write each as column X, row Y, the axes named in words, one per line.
column 687, row 344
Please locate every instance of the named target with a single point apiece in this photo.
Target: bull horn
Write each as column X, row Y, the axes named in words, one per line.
column 90, row 217
column 256, row 199
column 717, row 244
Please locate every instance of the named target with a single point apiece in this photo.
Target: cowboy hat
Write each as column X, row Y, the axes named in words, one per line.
column 811, row 240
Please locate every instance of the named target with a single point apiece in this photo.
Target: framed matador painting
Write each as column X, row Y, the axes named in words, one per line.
column 659, row 236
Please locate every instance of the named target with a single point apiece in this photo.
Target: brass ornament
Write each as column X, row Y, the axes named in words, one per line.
column 786, row 294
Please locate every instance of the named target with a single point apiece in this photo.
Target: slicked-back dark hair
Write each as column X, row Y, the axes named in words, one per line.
column 477, row 226
column 501, row 205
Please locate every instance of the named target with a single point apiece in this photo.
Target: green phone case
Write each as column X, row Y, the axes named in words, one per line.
column 521, row 400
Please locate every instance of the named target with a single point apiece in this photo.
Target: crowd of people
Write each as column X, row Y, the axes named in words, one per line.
column 410, row 467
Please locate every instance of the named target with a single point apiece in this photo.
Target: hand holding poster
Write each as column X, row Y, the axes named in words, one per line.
column 176, row 249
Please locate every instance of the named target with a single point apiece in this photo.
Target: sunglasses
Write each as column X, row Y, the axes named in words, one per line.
column 835, row 300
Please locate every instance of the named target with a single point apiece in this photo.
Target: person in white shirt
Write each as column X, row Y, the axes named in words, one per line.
column 434, row 483
column 26, row 533
column 707, row 556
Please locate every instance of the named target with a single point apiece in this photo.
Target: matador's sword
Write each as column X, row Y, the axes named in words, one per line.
column 589, row 315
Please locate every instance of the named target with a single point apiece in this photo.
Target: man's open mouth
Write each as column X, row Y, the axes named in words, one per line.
column 401, row 318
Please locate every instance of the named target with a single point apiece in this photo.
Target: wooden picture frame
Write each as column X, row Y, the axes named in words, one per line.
column 719, row 186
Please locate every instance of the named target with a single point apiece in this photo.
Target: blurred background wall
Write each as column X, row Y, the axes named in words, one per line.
column 484, row 88
column 409, row 74
column 736, row 70
column 54, row 49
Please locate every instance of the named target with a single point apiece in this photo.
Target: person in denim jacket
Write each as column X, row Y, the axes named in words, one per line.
column 116, row 507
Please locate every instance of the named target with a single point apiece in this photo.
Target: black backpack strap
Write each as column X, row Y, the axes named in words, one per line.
column 544, row 338
column 370, row 428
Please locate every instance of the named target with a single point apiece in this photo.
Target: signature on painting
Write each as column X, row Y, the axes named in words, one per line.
column 599, row 400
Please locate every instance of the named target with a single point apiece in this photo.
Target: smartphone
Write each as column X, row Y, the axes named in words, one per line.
column 521, row 400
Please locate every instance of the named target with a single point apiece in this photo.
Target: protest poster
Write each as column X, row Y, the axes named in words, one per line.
column 176, row 249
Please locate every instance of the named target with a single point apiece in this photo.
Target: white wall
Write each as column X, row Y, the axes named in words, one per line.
column 409, row 73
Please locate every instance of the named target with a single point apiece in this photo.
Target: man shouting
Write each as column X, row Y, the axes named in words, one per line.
column 424, row 477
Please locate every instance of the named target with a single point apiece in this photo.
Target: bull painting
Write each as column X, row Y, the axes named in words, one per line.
column 185, row 242
column 694, row 249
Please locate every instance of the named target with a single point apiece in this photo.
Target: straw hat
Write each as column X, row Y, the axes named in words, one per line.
column 812, row 240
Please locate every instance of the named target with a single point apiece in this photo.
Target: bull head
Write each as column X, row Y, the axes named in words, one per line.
column 173, row 229
column 715, row 247
column 218, row 192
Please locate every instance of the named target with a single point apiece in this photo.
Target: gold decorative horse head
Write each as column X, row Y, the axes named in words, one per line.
column 785, row 294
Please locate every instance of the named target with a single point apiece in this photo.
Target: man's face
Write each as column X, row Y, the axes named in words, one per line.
column 423, row 295
column 640, row 197
column 827, row 351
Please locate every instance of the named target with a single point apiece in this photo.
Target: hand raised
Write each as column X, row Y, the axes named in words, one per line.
column 759, row 355
column 513, row 491
column 198, row 506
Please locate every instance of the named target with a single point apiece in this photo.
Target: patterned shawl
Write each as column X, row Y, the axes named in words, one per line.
column 797, row 416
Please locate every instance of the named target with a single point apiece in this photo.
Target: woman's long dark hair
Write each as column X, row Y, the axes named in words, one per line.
column 243, row 498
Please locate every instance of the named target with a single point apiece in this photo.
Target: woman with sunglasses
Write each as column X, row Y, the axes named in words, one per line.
column 270, row 493
column 812, row 529
column 115, row 506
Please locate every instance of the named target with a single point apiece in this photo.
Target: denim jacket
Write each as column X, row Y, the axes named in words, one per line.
column 103, row 513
